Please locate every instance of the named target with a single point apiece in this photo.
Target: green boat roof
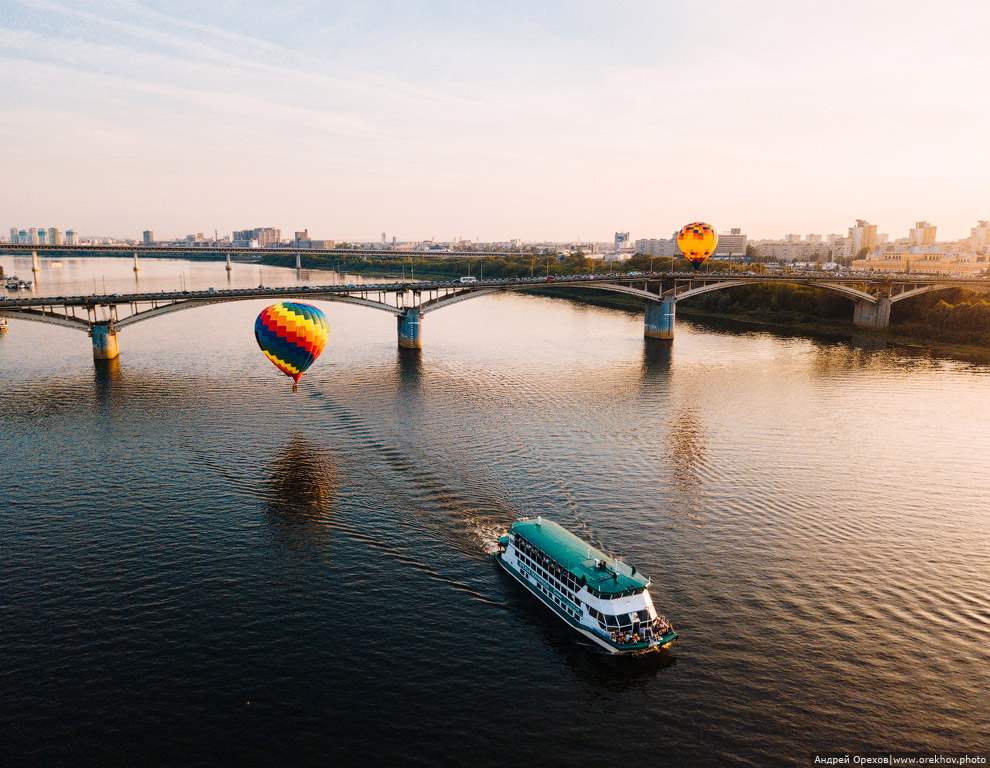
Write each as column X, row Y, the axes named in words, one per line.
column 578, row 557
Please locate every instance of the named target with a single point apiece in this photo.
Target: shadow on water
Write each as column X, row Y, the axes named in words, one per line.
column 868, row 343
column 409, row 364
column 107, row 381
column 595, row 666
column 302, row 491
column 658, row 355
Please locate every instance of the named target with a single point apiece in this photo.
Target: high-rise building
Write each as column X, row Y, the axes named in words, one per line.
column 621, row 241
column 863, row 235
column 979, row 238
column 71, row 237
column 148, row 236
column 54, row 236
column 266, row 236
column 13, row 235
column 923, row 233
column 22, row 237
column 731, row 243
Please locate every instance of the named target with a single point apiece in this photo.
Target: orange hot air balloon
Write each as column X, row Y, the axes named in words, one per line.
column 697, row 242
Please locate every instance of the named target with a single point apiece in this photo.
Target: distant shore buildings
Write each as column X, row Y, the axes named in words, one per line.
column 43, row 236
column 863, row 248
column 921, row 252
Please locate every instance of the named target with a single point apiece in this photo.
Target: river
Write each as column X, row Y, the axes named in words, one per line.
column 200, row 567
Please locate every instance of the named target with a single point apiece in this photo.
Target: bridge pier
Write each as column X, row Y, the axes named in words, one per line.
column 104, row 338
column 409, row 327
column 659, row 321
column 875, row 315
column 35, row 266
column 136, row 267
column 229, row 266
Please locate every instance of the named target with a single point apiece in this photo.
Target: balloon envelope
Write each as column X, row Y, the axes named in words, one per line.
column 292, row 336
column 697, row 242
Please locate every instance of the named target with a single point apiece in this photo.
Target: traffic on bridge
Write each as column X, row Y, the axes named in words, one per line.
column 103, row 315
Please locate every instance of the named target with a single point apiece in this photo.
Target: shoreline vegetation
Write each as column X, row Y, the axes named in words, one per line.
column 954, row 322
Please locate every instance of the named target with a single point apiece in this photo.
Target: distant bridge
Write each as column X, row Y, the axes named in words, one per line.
column 219, row 251
column 102, row 316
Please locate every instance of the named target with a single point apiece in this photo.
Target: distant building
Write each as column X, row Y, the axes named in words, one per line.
column 54, row 236
column 299, row 236
column 800, row 251
column 731, row 243
column 148, row 236
column 71, row 237
column 926, row 259
column 923, row 233
column 621, row 241
column 863, row 235
column 316, row 245
column 266, row 236
column 656, row 247
column 979, row 238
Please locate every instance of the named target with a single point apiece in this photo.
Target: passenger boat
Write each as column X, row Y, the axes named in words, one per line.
column 604, row 599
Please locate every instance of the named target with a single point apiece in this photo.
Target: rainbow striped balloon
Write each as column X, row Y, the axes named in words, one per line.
column 292, row 336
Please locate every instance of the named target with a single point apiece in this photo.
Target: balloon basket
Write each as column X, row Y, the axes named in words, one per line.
column 295, row 387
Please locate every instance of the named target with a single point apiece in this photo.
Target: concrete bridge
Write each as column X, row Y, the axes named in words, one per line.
column 103, row 316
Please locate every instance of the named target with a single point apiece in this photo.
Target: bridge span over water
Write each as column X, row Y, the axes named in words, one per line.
column 103, row 316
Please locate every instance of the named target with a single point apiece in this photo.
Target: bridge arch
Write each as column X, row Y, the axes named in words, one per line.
column 918, row 291
column 843, row 290
column 179, row 306
column 45, row 317
column 465, row 295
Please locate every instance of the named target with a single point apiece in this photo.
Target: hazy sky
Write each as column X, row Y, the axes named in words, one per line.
column 493, row 119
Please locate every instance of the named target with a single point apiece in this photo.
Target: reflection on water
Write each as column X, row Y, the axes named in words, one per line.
column 303, row 486
column 685, row 459
column 868, row 343
column 657, row 358
column 107, row 380
column 410, row 367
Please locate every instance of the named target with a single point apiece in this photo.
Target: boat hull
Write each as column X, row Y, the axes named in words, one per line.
column 593, row 636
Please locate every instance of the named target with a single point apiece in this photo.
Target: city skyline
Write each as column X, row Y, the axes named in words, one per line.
column 434, row 120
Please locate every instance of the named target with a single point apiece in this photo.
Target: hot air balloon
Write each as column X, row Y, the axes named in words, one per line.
column 292, row 336
column 697, row 242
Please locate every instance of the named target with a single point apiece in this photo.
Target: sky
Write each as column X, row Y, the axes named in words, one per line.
column 540, row 120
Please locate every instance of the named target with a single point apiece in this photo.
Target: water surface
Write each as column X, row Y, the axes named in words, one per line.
column 198, row 566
